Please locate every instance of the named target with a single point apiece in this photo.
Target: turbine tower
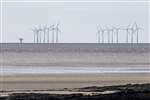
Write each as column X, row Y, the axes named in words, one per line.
column 108, row 33
column 127, row 32
column 57, row 32
column 44, row 30
column 34, row 34
column 117, row 34
column 102, row 34
column 98, row 33
column 40, row 33
column 132, row 32
column 136, row 30
column 103, row 31
column 48, row 30
column 53, row 33
column 37, row 35
column 112, row 35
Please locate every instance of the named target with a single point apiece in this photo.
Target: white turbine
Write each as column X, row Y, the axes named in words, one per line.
column 50, row 28
column 57, row 32
column 53, row 32
column 102, row 34
column 44, row 30
column 127, row 32
column 34, row 34
column 112, row 34
column 98, row 33
column 108, row 33
column 117, row 33
column 40, row 33
column 136, row 30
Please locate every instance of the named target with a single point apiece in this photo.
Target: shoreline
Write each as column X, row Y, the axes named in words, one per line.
column 59, row 81
column 113, row 92
column 74, row 55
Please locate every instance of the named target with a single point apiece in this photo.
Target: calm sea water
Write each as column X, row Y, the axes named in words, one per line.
column 15, row 70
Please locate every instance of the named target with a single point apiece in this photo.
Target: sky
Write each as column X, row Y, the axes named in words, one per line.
column 78, row 20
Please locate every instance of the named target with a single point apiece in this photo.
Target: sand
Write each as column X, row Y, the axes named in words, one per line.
column 73, row 59
column 103, row 55
column 55, row 81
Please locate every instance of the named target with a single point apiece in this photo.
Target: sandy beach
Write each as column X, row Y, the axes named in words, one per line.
column 40, row 82
column 74, row 55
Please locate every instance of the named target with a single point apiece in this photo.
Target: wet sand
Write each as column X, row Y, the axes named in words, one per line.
column 60, row 81
column 73, row 58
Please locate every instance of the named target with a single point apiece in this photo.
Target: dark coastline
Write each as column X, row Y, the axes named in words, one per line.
column 125, row 92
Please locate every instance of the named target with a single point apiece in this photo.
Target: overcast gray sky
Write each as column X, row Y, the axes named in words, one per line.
column 78, row 20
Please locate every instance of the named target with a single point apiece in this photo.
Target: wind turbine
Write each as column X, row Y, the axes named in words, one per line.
column 133, row 28
column 53, row 32
column 108, row 32
column 49, row 28
column 98, row 31
column 37, row 36
column 117, row 33
column 57, row 31
column 112, row 35
column 127, row 32
column 34, row 34
column 136, row 30
column 40, row 33
column 102, row 33
column 44, row 30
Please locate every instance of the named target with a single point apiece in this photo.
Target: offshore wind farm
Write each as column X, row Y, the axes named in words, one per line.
column 46, row 63
column 42, row 34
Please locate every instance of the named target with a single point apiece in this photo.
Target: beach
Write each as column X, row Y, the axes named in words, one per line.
column 40, row 68
column 60, row 81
